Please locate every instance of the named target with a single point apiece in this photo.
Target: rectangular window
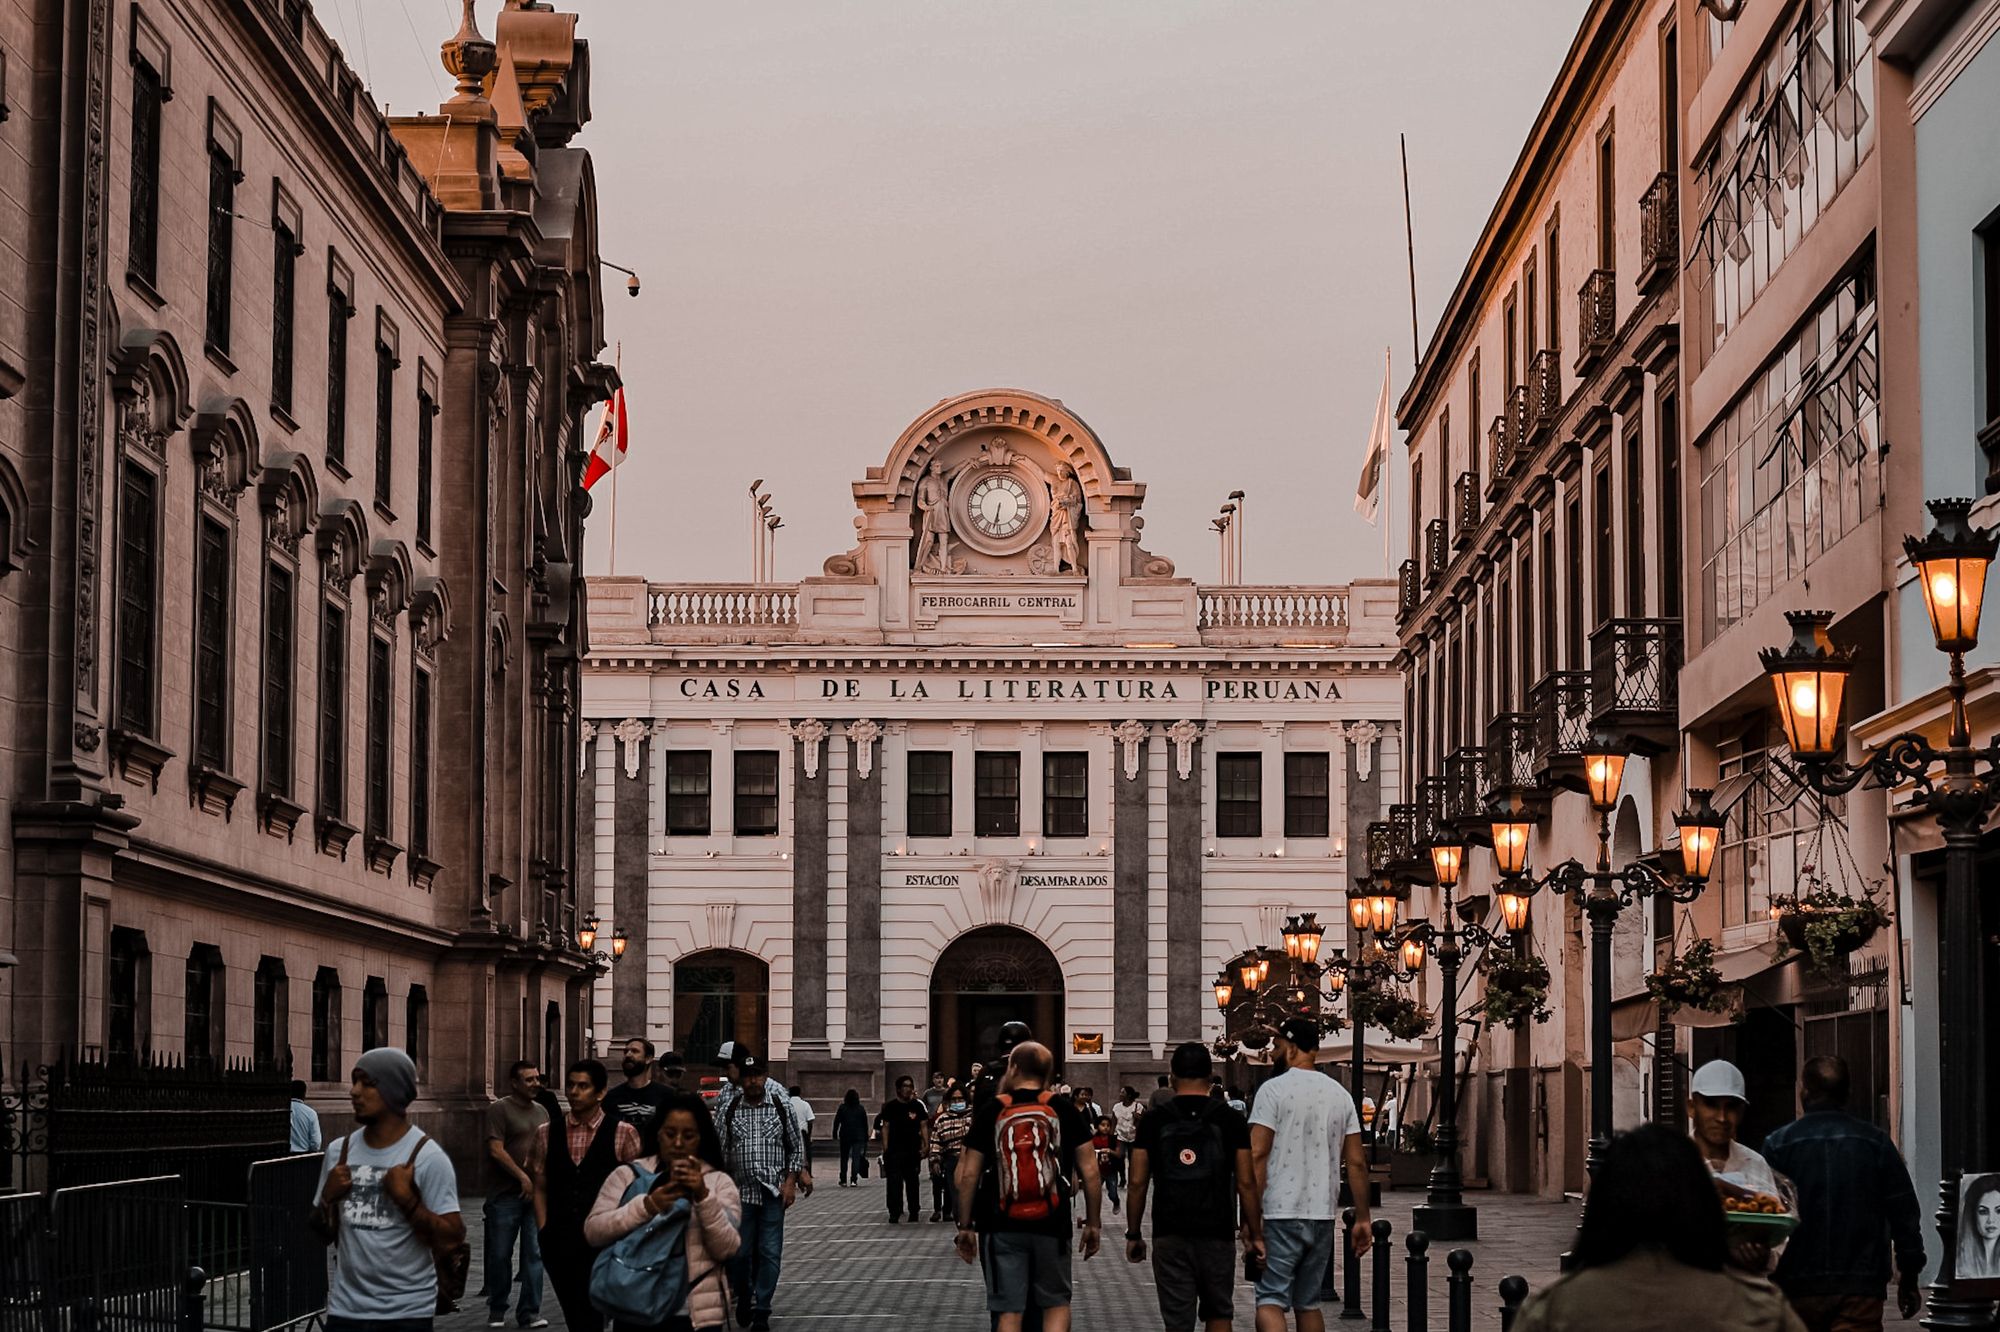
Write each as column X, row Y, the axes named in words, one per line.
column 1604, row 522
column 1530, row 305
column 996, row 794
column 1670, row 98
column 1607, row 204
column 284, row 285
column 380, row 654
column 1239, row 795
column 385, row 439
column 326, row 1062
column 338, row 313
column 1552, row 244
column 1472, row 417
column 1550, row 620
column 1635, row 524
column 1066, row 794
column 279, row 655
column 271, row 1018
column 426, row 410
column 417, row 1030
column 374, row 1014
column 1670, row 551
column 687, row 792
column 420, row 763
column 211, row 645
column 1499, row 655
column 757, row 792
column 1308, row 791
column 1524, row 641
column 332, row 710
column 221, row 244
column 1511, row 319
column 204, row 1005
column 144, row 233
column 1573, row 622
column 127, row 994
column 930, row 793
column 1989, row 260
column 138, row 516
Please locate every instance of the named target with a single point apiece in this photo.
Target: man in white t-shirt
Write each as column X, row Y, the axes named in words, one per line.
column 1303, row 1126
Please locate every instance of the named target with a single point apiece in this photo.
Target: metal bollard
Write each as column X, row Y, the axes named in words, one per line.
column 1419, row 1293
column 1350, row 1272
column 1458, row 1290
column 195, row 1283
column 1513, row 1290
column 1380, row 1230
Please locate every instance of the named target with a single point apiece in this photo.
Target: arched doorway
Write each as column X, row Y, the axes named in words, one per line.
column 984, row 980
column 720, row 995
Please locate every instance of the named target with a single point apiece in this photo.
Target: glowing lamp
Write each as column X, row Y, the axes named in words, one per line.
column 1413, row 953
column 1223, row 989
column 1809, row 676
column 1701, row 834
column 1951, row 562
column 586, row 934
column 618, row 941
column 1603, row 771
column 1359, row 912
column 1336, row 980
column 1514, row 911
column 1448, row 862
column 1382, row 912
column 1263, row 966
column 1252, row 974
column 1302, row 936
column 1510, row 843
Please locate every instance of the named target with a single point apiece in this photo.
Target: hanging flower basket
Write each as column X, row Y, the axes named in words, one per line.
column 1397, row 1014
column 1826, row 925
column 1517, row 990
column 1689, row 980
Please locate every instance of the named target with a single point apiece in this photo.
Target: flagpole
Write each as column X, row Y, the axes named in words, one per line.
column 618, row 363
column 1388, row 479
column 1410, row 244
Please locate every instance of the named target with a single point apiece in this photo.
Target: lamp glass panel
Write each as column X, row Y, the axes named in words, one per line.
column 1604, row 771
column 1954, row 588
column 1447, row 860
column 1698, row 845
column 1413, row 954
column 1514, row 911
column 1510, row 845
column 1809, row 700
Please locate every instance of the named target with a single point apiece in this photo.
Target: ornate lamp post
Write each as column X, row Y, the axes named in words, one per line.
column 1809, row 676
column 586, row 941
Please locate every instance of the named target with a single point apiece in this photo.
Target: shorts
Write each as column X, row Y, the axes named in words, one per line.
column 1021, row 1266
column 1195, row 1278
column 1296, row 1252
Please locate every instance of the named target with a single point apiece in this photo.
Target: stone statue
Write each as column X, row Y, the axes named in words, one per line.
column 1065, row 520
column 934, row 512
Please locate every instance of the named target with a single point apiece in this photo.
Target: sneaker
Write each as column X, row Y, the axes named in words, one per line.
column 761, row 1321
column 500, row 1321
column 538, row 1321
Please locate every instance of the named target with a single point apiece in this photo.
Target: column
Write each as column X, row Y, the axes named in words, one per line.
column 892, row 769
column 603, row 873
column 1031, row 784
column 864, row 914
column 1271, row 802
column 961, row 785
column 722, row 782
column 1186, row 986
column 809, row 852
column 1129, row 960
column 630, row 866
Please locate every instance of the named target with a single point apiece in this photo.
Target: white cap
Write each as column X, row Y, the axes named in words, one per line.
column 1718, row 1079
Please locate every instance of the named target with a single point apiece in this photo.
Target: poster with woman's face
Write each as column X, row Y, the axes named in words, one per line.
column 1978, row 1269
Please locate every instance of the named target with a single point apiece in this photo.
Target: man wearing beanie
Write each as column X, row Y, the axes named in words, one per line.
column 395, row 1203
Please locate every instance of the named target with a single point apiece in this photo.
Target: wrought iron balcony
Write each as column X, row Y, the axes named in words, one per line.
column 1467, row 775
column 1499, row 453
column 1467, row 507
column 1634, row 681
column 1437, row 551
column 1659, row 232
column 1560, row 702
column 1545, row 394
column 1405, row 821
column 1520, row 424
column 1433, row 806
column 1596, row 318
column 1409, row 591
column 1510, row 754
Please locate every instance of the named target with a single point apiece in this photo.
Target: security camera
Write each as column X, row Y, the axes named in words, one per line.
column 632, row 285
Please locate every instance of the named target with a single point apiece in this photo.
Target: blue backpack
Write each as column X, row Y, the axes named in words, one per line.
column 642, row 1278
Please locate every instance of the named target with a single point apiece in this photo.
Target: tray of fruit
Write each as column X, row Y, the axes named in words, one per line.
column 1764, row 1213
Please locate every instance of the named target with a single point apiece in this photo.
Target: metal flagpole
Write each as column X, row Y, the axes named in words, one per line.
column 1388, row 466
column 1410, row 242
column 610, row 404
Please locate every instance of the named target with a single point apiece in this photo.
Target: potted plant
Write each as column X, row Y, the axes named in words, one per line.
column 1689, row 980
column 1517, row 989
column 1395, row 1013
column 1827, row 925
column 1411, row 1163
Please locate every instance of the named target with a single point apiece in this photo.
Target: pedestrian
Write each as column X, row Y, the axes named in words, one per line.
column 1716, row 1101
column 1390, row 1120
column 1011, row 1193
column 589, row 1144
column 902, row 1126
column 1110, row 1159
column 511, row 1125
column 686, row 1163
column 935, row 1093
column 1234, row 1096
column 1651, row 1255
column 305, row 1121
column 1200, row 1153
column 760, row 1146
column 388, row 1205
column 948, row 1130
column 803, row 1116
column 1162, row 1094
column 673, row 1071
column 850, row 1139
column 1302, row 1130
column 1856, row 1204
column 1125, row 1113
column 638, row 1099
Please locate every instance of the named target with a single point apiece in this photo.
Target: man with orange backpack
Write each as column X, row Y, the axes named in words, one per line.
column 1013, row 1191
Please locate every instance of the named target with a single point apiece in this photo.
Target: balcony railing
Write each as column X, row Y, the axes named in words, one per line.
column 1500, row 455
column 1437, row 551
column 1467, row 778
column 1433, row 809
column 1659, row 232
column 1634, row 676
column 1409, row 588
column 1305, row 609
column 722, row 605
column 1467, row 495
column 1596, row 317
column 1406, row 825
column 1510, row 752
column 1545, row 395
column 1560, row 702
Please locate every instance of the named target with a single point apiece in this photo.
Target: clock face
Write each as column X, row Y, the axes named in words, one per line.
column 998, row 506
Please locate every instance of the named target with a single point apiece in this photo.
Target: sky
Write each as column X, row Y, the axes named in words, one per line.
column 1183, row 218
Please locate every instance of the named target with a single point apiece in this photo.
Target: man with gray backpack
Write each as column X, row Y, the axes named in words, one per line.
column 1198, row 1148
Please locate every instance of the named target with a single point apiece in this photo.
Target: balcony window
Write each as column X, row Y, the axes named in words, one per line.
column 1239, row 795
column 333, row 711
column 1308, row 790
column 929, row 807
column 211, row 644
column 996, row 794
column 275, row 739
column 687, row 792
column 138, row 625
column 756, row 792
column 1066, row 794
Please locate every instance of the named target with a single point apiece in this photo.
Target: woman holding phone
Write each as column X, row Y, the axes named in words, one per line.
column 688, row 1162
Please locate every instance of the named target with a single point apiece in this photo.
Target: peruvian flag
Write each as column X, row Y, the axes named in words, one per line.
column 612, row 437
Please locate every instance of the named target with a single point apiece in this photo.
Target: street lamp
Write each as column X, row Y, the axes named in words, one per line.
column 1809, row 676
column 588, row 933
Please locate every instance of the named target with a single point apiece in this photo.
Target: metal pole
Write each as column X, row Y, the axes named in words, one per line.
column 1350, row 1273
column 1360, row 1042
column 1418, row 1297
column 1602, row 904
column 1513, row 1290
column 1380, row 1230
column 1444, row 1215
column 1458, row 1290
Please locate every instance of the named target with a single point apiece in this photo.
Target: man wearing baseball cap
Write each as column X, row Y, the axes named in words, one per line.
column 1716, row 1101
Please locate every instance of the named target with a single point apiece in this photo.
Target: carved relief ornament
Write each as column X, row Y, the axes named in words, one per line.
column 628, row 733
column 809, row 733
column 1184, row 734
column 862, row 736
column 1129, row 734
column 1363, row 735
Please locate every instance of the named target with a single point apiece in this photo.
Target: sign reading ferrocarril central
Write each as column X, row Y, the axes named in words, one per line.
column 931, row 604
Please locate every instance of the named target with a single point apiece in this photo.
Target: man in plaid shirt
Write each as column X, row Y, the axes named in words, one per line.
column 761, row 1145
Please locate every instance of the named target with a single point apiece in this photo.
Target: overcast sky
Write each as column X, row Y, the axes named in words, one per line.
column 1181, row 217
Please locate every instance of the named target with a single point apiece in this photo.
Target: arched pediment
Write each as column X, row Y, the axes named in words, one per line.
column 223, row 439
column 430, row 612
column 1065, row 434
column 288, row 492
column 14, row 540
column 148, row 365
column 388, row 578
column 343, row 539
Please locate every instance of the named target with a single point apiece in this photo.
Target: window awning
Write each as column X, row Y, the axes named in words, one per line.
column 1747, row 973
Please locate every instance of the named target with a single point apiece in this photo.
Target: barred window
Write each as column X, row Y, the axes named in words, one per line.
column 270, row 1038
column 757, row 792
column 1239, row 795
column 138, row 633
column 380, row 652
column 426, row 410
column 687, row 792
column 374, row 1014
column 332, row 710
column 1066, row 794
column 930, row 793
column 143, row 242
column 278, row 664
column 417, row 1030
column 326, row 1061
column 338, row 313
column 211, row 645
column 996, row 794
column 1308, row 788
column 221, row 244
column 420, row 763
column 284, row 284
column 128, row 994
column 385, row 437
column 204, row 1006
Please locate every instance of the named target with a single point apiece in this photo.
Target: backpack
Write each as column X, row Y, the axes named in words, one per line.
column 1027, row 1136
column 1193, row 1164
column 641, row 1279
column 787, row 1130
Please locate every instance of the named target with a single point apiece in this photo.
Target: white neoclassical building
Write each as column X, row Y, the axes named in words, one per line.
column 998, row 761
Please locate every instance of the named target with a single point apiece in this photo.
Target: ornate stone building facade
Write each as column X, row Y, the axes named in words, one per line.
column 998, row 761
column 290, row 401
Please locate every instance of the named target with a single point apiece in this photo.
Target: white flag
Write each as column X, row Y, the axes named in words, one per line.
column 1368, row 495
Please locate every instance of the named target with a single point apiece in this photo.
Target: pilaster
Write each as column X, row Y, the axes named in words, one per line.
column 1130, row 963
column 809, row 890
column 631, row 860
column 1185, row 982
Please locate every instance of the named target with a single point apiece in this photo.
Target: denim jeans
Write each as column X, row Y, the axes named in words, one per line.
column 753, row 1272
column 508, row 1217
column 852, row 1154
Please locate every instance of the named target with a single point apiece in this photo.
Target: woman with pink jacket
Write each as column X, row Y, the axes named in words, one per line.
column 689, row 1163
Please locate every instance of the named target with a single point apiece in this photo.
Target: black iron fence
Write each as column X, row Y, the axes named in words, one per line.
column 263, row 1267
column 1379, row 1278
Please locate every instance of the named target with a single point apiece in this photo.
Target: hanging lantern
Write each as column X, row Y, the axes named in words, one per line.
column 618, row 942
column 586, row 934
column 1951, row 562
column 1359, row 911
column 1223, row 989
column 1809, row 676
column 1448, row 861
column 1603, row 771
column 1701, row 834
column 1513, row 911
column 1413, row 952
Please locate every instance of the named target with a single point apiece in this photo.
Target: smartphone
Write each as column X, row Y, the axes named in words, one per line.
column 1253, row 1268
